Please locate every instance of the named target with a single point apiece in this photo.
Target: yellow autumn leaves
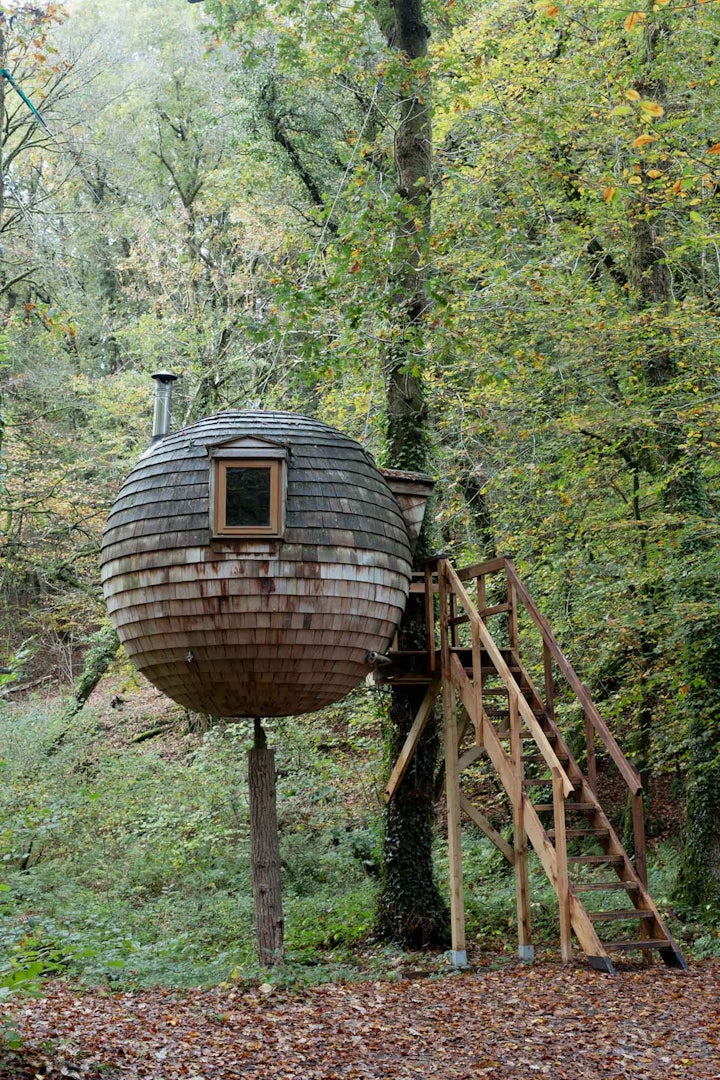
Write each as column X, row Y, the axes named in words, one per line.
column 647, row 110
column 636, row 18
column 631, row 22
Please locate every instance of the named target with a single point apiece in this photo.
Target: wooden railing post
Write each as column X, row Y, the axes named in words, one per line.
column 549, row 681
column 563, row 885
column 590, row 748
column 481, row 594
column 453, row 626
column 443, row 617
column 430, row 568
column 512, row 617
column 520, row 842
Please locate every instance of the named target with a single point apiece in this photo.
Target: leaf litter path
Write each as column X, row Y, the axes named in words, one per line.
column 514, row 1022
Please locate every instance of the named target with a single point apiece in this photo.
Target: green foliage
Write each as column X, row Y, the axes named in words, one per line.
column 124, row 864
column 128, row 864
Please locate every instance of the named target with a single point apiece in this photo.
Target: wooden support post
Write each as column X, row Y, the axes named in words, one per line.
column 590, row 747
column 563, row 885
column 639, row 837
column 265, row 852
column 520, row 843
column 458, row 954
column 638, row 815
column 452, row 794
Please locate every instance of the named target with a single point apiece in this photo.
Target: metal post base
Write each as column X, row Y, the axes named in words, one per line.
column 526, row 953
column 458, row 958
column 601, row 963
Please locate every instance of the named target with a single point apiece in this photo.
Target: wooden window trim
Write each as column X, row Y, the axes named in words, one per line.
column 218, row 491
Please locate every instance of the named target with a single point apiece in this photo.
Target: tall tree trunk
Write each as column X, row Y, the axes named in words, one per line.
column 2, row 121
column 410, row 909
column 685, row 497
column 265, row 851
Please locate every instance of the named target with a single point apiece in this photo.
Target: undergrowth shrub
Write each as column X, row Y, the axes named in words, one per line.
column 128, row 863
column 124, row 863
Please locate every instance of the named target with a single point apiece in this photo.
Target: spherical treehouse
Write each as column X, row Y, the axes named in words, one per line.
column 253, row 562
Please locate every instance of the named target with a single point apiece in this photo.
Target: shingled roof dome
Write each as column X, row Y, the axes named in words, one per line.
column 268, row 602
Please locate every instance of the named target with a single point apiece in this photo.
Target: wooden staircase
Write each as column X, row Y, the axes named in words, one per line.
column 602, row 892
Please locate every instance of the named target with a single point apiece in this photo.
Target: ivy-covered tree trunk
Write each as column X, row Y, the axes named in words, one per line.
column 411, row 909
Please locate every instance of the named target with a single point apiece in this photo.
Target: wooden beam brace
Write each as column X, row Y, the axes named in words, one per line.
column 412, row 740
column 470, row 756
column 485, row 827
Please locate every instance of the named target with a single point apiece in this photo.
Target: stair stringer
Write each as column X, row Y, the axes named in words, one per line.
column 640, row 897
column 571, row 792
column 580, row 921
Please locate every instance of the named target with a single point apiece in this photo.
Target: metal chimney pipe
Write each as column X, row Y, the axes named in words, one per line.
column 161, row 413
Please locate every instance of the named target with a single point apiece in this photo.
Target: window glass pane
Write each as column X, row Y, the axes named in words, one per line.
column 247, row 500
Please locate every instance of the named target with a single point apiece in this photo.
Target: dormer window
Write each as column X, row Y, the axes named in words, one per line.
column 247, row 489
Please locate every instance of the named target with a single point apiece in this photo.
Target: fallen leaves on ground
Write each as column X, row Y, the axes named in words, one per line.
column 494, row 1022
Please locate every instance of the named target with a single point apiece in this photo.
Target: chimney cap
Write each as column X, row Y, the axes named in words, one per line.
column 164, row 376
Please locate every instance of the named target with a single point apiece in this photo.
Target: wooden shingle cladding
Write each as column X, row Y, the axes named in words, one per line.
column 412, row 491
column 253, row 625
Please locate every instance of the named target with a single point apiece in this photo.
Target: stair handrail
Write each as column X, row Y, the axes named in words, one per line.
column 628, row 771
column 456, row 586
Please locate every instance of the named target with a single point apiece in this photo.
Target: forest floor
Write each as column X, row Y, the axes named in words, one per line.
column 499, row 1019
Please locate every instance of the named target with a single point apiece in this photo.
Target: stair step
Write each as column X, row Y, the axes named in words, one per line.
column 587, row 808
column 595, row 860
column 605, row 886
column 539, row 759
column 527, row 735
column 503, row 717
column 546, row 781
column 576, row 834
column 618, row 916
column 647, row 943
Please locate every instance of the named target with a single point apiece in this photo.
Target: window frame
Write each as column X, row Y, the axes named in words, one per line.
column 256, row 456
